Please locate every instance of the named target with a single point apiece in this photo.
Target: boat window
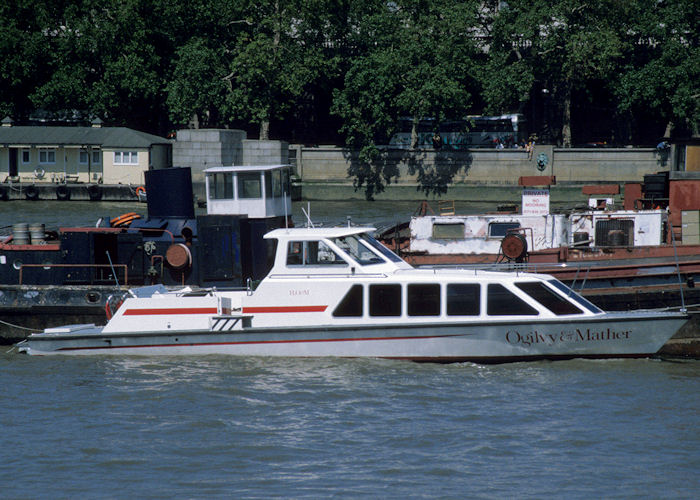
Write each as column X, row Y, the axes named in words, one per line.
column 277, row 183
column 312, row 253
column 249, row 185
column 354, row 247
column 423, row 300
column 448, row 231
column 548, row 298
column 385, row 300
column 503, row 302
column 268, row 184
column 351, row 305
column 221, row 186
column 463, row 300
column 368, row 241
column 574, row 296
column 500, row 229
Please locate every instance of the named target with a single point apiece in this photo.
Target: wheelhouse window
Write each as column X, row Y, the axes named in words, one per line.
column 126, row 157
column 500, row 229
column 423, row 300
column 365, row 249
column 280, row 182
column 249, row 185
column 221, row 186
column 548, row 298
column 503, row 302
column 26, row 158
column 385, row 300
column 574, row 296
column 47, row 155
column 96, row 156
column 351, row 305
column 463, row 299
column 448, row 231
column 312, row 253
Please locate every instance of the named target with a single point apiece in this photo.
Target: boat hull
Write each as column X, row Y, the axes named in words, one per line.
column 612, row 335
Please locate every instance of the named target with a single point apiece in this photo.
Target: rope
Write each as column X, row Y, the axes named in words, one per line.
column 18, row 326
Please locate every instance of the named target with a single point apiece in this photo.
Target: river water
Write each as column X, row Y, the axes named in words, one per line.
column 225, row 427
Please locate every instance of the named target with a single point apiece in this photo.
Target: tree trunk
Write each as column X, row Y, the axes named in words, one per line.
column 566, row 118
column 264, row 130
column 414, row 132
column 669, row 129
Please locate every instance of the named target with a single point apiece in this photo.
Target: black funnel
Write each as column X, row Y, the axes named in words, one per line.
column 169, row 193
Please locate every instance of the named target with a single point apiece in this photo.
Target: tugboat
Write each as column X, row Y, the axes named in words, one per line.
column 69, row 275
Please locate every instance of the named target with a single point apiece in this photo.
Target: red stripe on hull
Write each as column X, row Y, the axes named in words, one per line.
column 189, row 310
column 284, row 309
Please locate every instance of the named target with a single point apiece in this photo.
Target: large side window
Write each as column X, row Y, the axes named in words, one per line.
column 503, row 302
column 423, row 300
column 221, row 186
column 249, row 185
column 548, row 298
column 351, row 305
column 385, row 300
column 463, row 299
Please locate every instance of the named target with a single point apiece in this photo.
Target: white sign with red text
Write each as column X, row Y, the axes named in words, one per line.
column 535, row 201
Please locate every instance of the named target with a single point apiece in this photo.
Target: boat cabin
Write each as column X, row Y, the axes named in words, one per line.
column 331, row 251
column 257, row 191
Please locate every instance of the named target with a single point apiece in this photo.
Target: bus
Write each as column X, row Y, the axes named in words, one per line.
column 507, row 131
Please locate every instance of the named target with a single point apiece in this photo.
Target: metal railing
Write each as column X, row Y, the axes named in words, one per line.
column 76, row 266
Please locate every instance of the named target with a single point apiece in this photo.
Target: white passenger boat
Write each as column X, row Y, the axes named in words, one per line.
column 338, row 292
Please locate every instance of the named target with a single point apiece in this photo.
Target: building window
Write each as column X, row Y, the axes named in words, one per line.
column 126, row 158
column 47, row 155
column 83, row 156
column 96, row 156
column 26, row 158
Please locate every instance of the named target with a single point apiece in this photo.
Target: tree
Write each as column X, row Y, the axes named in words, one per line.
column 662, row 72
column 418, row 61
column 273, row 59
column 562, row 45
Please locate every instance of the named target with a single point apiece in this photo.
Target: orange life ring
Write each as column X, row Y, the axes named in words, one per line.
column 140, row 190
column 124, row 219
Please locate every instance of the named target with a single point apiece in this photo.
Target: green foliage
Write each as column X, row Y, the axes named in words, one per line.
column 150, row 64
column 663, row 68
column 420, row 65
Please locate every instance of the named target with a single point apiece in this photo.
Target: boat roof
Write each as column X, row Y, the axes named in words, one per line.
column 243, row 168
column 317, row 232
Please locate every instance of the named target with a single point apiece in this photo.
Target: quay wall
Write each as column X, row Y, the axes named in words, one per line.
column 322, row 170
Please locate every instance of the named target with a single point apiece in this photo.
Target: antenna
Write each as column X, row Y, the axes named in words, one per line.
column 114, row 272
column 308, row 215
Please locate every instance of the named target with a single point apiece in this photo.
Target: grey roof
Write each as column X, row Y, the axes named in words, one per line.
column 107, row 137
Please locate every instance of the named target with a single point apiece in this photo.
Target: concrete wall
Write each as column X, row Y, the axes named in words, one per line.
column 324, row 169
column 200, row 149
